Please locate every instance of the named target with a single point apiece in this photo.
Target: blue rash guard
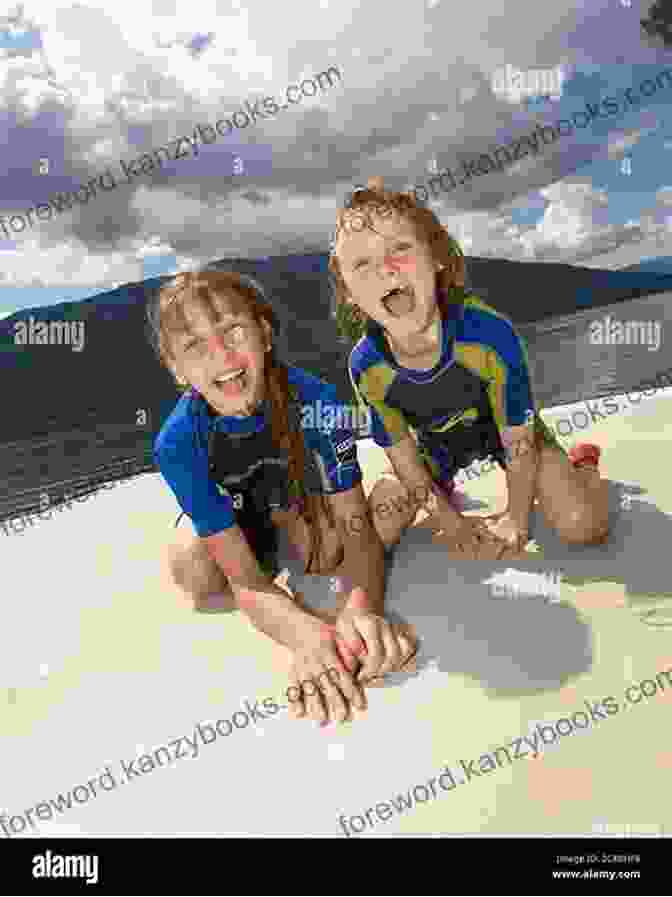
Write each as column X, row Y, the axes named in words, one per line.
column 225, row 471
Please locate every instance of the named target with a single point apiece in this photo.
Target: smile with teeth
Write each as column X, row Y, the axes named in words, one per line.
column 230, row 377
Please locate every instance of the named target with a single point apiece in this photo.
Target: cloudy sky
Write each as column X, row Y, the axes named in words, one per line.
column 87, row 86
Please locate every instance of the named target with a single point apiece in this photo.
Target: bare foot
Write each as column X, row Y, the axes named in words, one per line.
column 489, row 551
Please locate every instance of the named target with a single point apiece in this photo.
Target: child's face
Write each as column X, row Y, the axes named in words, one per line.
column 389, row 258
column 207, row 352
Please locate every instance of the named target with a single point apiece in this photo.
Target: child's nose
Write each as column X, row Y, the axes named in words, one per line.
column 216, row 343
column 391, row 262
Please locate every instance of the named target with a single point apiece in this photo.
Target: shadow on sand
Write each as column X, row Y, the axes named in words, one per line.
column 516, row 648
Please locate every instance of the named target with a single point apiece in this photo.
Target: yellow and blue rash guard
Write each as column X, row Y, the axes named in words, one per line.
column 458, row 409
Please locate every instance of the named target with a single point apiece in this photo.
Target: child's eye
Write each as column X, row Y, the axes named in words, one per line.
column 194, row 348
column 361, row 264
column 234, row 335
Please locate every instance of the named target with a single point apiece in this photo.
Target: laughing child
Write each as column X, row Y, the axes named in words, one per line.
column 446, row 379
column 241, row 464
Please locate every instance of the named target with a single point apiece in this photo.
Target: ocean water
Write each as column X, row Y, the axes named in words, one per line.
column 566, row 367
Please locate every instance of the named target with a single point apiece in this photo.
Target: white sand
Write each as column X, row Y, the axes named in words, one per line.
column 101, row 661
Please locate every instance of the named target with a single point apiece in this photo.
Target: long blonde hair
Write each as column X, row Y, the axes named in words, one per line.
column 445, row 250
column 166, row 316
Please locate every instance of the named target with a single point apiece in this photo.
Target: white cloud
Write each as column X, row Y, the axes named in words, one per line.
column 67, row 264
column 110, row 68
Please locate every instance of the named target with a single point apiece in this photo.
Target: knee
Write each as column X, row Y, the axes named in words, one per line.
column 193, row 570
column 583, row 526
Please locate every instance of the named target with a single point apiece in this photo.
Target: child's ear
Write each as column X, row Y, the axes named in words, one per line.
column 459, row 271
column 267, row 333
column 452, row 274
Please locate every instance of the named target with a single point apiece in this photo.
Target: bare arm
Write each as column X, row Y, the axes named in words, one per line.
column 521, row 472
column 364, row 561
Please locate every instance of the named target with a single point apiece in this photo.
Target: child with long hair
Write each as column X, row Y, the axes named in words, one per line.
column 241, row 463
column 446, row 380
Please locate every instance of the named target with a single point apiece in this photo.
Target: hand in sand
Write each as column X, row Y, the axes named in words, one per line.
column 382, row 646
column 471, row 538
column 322, row 683
column 504, row 527
column 355, row 651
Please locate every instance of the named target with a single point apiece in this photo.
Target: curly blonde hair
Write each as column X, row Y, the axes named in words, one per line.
column 360, row 209
column 166, row 316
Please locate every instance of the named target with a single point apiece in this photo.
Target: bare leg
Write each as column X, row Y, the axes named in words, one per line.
column 198, row 575
column 388, row 521
column 392, row 508
column 299, row 537
column 394, row 512
column 573, row 500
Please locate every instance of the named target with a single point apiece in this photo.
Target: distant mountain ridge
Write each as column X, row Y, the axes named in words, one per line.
column 117, row 374
column 622, row 284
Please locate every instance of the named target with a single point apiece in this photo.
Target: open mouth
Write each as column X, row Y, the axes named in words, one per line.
column 398, row 301
column 233, row 382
